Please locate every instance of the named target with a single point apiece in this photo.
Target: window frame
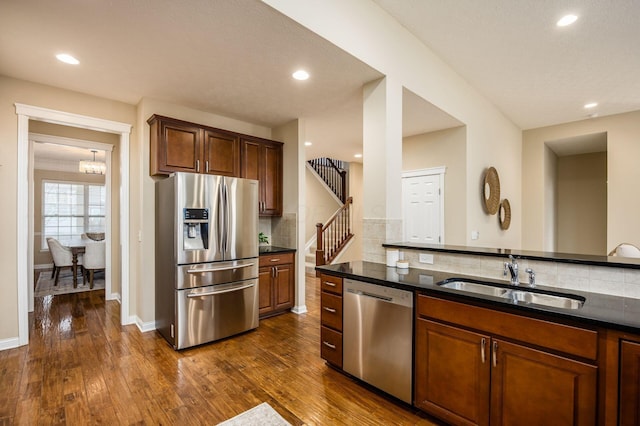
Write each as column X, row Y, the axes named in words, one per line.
column 85, row 208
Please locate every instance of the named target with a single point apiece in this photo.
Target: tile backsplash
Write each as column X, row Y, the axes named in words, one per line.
column 596, row 279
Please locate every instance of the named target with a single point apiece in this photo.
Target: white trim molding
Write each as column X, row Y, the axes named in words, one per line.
column 24, row 263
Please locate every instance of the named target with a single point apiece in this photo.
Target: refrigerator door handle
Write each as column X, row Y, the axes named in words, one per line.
column 220, row 220
column 228, row 290
column 222, row 268
column 227, row 214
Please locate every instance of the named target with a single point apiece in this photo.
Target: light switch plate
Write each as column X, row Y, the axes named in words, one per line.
column 425, row 258
column 475, row 235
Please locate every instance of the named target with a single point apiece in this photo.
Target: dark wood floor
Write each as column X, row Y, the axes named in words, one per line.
column 82, row 367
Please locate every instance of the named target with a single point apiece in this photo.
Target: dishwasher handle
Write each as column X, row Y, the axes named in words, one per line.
column 367, row 294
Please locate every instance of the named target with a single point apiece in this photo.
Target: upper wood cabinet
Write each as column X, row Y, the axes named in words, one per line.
column 262, row 160
column 180, row 146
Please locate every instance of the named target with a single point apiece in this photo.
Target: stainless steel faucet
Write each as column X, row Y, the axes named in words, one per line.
column 513, row 270
column 532, row 277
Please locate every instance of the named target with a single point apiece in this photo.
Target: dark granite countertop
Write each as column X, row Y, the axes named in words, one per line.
column 614, row 312
column 275, row 250
column 583, row 259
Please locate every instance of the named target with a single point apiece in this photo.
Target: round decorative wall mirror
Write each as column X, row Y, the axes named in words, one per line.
column 504, row 215
column 491, row 191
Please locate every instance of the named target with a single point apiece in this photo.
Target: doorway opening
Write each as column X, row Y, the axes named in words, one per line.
column 71, row 204
column 25, row 114
column 576, row 174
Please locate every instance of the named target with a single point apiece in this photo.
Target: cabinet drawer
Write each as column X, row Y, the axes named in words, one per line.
column 331, row 284
column 331, row 311
column 331, row 346
column 561, row 337
column 276, row 259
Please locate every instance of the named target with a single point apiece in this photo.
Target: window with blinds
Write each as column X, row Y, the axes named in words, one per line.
column 71, row 209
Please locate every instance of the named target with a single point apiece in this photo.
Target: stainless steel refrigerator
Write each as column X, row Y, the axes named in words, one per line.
column 206, row 268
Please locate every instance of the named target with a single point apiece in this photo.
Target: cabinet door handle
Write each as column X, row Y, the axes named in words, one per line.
column 274, row 260
column 495, row 353
column 197, row 166
column 483, row 342
column 330, row 284
column 206, row 166
column 333, row 311
column 329, row 345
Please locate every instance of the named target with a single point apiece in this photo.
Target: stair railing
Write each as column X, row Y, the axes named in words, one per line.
column 333, row 174
column 333, row 236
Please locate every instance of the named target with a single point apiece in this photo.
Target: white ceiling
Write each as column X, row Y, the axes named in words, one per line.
column 235, row 58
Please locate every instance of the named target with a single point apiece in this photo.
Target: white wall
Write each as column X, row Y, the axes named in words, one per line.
column 365, row 31
column 18, row 91
column 444, row 148
column 623, row 175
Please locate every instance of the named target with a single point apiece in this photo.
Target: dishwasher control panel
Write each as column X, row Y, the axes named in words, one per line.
column 387, row 294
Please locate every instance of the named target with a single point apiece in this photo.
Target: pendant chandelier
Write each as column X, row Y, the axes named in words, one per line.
column 93, row 167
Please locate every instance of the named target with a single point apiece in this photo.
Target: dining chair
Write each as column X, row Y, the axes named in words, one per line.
column 625, row 250
column 62, row 258
column 94, row 258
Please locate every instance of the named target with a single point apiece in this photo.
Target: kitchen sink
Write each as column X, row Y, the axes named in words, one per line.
column 518, row 295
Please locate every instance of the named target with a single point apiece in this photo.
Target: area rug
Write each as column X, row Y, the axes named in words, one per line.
column 45, row 287
column 260, row 415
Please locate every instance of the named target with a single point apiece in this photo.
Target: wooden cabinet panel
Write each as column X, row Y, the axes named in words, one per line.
column 331, row 284
column 277, row 283
column 175, row 146
column 452, row 373
column 532, row 387
column 221, row 153
column 283, row 287
column 470, row 377
column 272, row 201
column 331, row 319
column 265, row 291
column 629, row 383
column 250, row 168
column 331, row 346
column 572, row 340
column 262, row 160
column 331, row 311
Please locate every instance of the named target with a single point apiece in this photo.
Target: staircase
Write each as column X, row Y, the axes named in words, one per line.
column 334, row 175
column 332, row 237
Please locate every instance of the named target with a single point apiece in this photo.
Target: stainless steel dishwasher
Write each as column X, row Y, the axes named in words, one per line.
column 378, row 336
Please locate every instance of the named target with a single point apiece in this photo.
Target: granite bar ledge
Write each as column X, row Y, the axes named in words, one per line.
column 580, row 259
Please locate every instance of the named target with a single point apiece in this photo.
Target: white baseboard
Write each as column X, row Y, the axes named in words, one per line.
column 299, row 309
column 43, row 266
column 10, row 343
column 114, row 296
column 145, row 326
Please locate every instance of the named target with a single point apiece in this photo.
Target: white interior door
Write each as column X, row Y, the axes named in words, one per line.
column 422, row 201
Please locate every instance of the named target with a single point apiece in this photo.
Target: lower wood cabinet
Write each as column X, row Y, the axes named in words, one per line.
column 331, row 319
column 276, row 284
column 629, row 383
column 471, row 377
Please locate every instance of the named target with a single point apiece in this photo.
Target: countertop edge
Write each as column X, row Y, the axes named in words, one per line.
column 275, row 250
column 467, row 297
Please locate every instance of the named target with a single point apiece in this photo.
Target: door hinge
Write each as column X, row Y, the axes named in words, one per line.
column 439, row 239
column 439, row 191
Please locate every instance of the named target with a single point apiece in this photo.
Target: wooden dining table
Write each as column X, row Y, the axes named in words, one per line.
column 77, row 246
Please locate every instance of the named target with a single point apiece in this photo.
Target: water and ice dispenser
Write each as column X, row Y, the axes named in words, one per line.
column 196, row 229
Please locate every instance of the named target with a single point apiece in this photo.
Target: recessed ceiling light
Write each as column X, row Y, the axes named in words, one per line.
column 307, row 143
column 300, row 75
column 567, row 20
column 591, row 105
column 358, row 155
column 67, row 59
